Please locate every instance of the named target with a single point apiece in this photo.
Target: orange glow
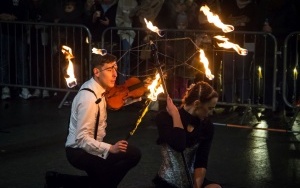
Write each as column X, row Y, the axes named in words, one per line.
column 205, row 62
column 152, row 27
column 226, row 44
column 260, row 73
column 295, row 73
column 212, row 18
column 71, row 80
column 155, row 88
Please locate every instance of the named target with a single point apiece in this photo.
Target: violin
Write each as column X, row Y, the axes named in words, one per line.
column 132, row 88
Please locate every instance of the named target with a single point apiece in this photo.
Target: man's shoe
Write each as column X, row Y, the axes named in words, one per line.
column 5, row 93
column 25, row 94
column 51, row 178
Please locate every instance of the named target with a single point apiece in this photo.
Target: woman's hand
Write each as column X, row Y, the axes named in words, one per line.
column 171, row 108
column 120, row 146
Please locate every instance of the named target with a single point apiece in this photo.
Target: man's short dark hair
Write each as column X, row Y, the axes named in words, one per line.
column 99, row 60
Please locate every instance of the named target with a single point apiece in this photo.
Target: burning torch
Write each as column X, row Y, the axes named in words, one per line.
column 155, row 89
column 70, row 77
column 159, row 69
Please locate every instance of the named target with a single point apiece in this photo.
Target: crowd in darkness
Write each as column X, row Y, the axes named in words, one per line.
column 98, row 15
column 183, row 14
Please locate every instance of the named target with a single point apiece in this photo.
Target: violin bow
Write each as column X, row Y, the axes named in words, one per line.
column 159, row 69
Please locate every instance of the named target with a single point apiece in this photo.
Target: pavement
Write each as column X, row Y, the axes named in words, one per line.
column 257, row 153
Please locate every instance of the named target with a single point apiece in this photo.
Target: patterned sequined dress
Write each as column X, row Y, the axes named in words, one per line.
column 172, row 168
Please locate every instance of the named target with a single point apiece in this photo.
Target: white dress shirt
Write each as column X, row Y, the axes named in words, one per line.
column 83, row 119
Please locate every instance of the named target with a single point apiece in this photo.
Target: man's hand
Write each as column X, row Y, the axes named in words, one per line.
column 120, row 146
column 105, row 22
column 96, row 15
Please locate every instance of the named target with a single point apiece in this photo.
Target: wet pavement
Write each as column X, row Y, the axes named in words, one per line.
column 258, row 154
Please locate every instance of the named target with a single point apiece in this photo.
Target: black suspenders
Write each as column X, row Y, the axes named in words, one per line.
column 98, row 114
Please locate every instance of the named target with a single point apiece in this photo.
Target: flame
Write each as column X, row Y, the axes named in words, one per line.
column 152, row 27
column 226, row 44
column 71, row 80
column 204, row 60
column 99, row 51
column 155, row 88
column 216, row 20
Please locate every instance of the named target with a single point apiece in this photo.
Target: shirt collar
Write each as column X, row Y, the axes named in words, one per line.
column 100, row 91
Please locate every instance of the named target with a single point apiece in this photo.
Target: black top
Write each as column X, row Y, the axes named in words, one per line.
column 179, row 139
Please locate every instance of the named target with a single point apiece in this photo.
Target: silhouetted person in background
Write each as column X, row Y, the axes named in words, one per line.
column 14, row 41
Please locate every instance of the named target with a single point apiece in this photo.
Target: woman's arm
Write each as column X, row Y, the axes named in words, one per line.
column 170, row 127
column 199, row 175
column 174, row 113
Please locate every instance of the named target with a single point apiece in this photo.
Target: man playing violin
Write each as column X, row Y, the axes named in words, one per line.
column 105, row 164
